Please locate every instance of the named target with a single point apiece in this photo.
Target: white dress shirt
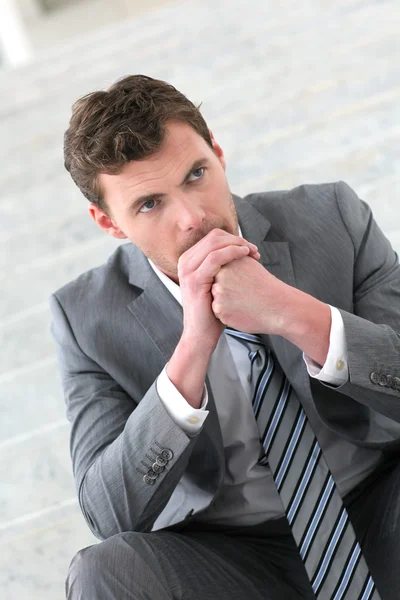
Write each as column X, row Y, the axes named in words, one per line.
column 248, row 495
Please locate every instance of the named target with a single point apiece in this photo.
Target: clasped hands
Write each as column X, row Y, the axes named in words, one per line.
column 222, row 283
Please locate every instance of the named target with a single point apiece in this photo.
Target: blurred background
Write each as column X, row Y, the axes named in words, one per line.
column 296, row 91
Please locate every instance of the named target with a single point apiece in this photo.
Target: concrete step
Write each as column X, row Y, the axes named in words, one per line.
column 39, row 550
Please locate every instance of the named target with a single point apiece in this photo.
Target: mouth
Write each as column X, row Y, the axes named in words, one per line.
column 194, row 239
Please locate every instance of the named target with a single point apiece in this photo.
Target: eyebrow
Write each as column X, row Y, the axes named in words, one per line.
column 200, row 162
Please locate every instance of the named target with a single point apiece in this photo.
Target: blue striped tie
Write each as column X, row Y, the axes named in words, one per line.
column 314, row 508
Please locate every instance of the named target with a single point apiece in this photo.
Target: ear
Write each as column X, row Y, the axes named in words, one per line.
column 104, row 222
column 218, row 150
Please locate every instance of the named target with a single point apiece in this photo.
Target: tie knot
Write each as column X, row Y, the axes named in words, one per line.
column 244, row 337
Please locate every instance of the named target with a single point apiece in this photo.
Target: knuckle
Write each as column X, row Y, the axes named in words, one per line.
column 215, row 236
column 216, row 232
column 216, row 289
column 212, row 258
column 216, row 309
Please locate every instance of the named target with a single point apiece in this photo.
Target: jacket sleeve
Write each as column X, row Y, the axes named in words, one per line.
column 114, row 441
column 373, row 331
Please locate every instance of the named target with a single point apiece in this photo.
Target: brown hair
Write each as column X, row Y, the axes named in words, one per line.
column 127, row 122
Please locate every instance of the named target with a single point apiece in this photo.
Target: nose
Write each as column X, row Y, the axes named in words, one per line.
column 190, row 215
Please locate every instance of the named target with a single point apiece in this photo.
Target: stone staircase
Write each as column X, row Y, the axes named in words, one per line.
column 296, row 92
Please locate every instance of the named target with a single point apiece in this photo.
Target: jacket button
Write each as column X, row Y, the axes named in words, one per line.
column 396, row 383
column 151, row 473
column 375, row 377
column 149, row 480
column 161, row 462
column 157, row 468
column 167, row 454
column 383, row 380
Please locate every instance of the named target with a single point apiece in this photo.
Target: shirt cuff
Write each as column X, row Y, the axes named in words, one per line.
column 335, row 370
column 188, row 418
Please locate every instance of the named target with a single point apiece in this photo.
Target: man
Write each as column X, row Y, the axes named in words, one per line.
column 207, row 470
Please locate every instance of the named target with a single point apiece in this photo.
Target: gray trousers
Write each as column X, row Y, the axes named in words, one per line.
column 261, row 562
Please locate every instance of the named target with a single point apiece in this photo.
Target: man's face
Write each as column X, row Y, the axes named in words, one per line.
column 166, row 203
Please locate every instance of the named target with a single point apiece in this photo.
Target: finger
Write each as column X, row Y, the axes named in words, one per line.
column 217, row 259
column 215, row 240
column 216, row 307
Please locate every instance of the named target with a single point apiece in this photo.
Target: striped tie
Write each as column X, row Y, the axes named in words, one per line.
column 314, row 508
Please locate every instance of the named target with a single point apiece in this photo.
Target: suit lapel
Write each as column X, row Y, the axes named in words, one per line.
column 155, row 308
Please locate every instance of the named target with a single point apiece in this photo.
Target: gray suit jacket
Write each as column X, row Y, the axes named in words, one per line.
column 116, row 326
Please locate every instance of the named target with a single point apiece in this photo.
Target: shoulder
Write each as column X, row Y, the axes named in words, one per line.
column 105, row 281
column 308, row 205
column 298, row 198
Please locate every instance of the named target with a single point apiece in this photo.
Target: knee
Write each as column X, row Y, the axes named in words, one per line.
column 82, row 574
column 90, row 571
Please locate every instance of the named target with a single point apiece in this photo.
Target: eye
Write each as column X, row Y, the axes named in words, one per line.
column 147, row 206
column 196, row 174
